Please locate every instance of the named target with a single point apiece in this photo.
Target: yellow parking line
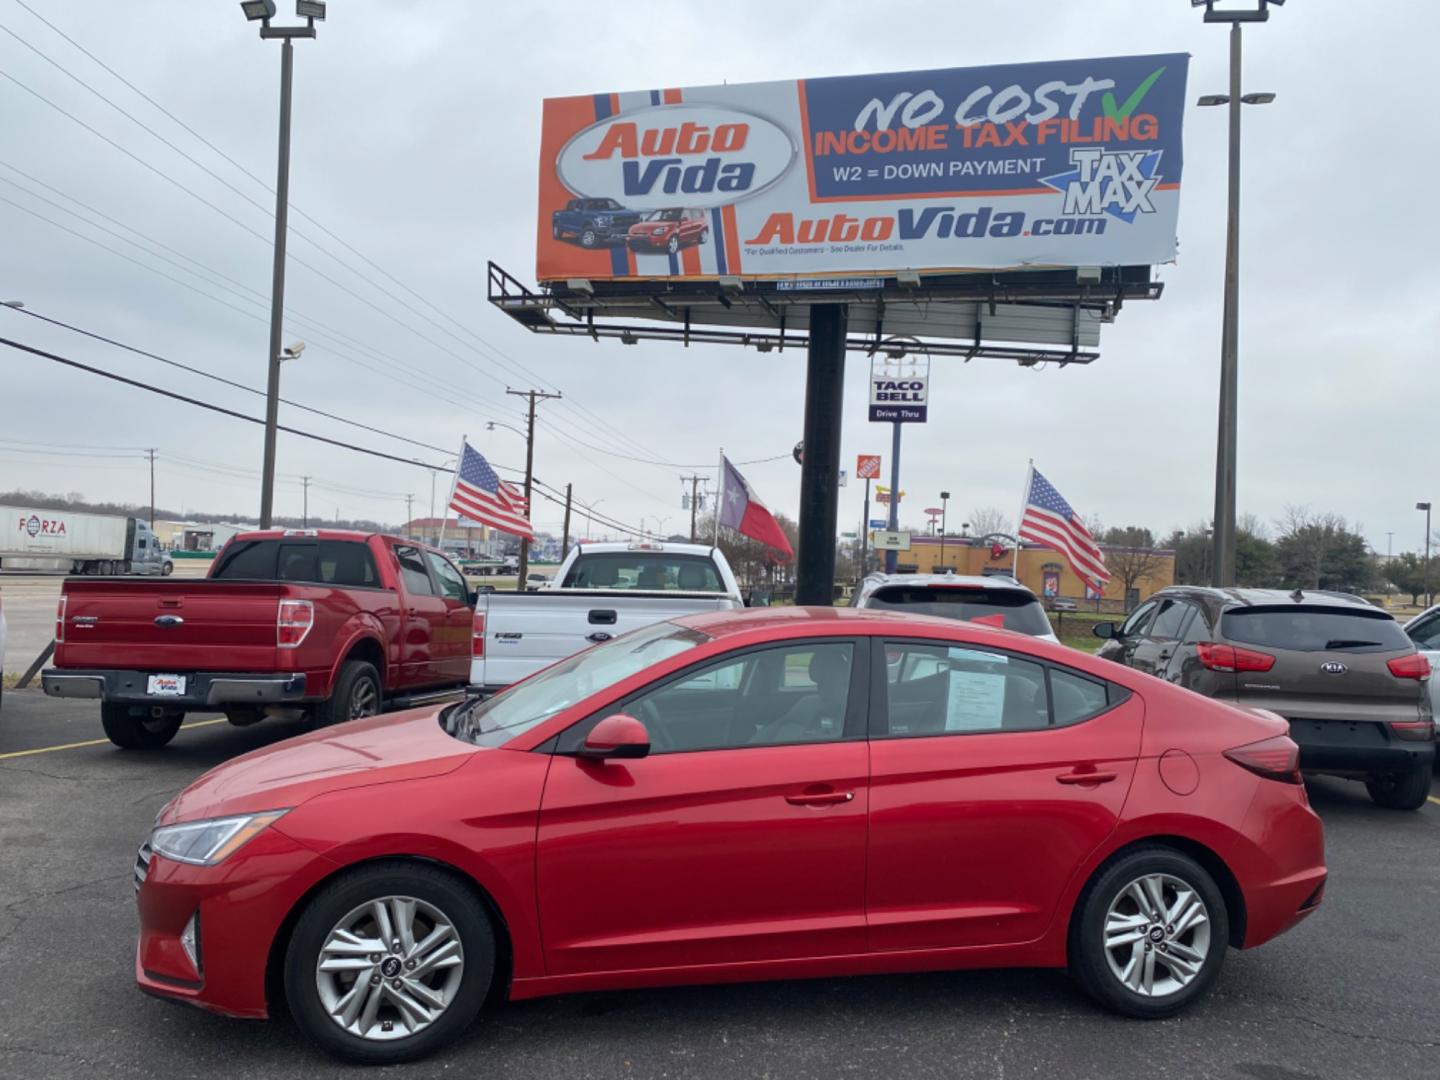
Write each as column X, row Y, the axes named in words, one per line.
column 95, row 742
column 1433, row 799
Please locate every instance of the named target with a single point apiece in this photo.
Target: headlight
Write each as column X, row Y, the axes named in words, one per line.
column 205, row 843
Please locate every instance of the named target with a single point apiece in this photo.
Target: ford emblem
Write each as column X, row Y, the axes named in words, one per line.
column 1333, row 667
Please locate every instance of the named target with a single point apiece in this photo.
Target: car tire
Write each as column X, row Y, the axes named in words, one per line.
column 704, row 235
column 1102, row 956
column 431, row 896
column 672, row 245
column 137, row 729
column 356, row 693
column 588, row 239
column 166, row 569
column 244, row 715
column 1401, row 791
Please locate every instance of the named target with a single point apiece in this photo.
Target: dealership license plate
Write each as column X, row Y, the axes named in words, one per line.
column 165, row 685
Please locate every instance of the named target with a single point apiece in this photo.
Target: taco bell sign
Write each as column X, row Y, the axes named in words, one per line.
column 899, row 398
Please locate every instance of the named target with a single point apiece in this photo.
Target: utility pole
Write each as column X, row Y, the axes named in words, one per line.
column 533, row 396
column 305, row 512
column 151, row 454
column 695, row 481
column 409, row 514
column 565, row 537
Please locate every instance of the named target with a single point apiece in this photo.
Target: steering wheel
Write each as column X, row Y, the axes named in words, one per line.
column 649, row 715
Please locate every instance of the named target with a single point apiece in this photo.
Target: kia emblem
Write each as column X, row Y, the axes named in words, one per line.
column 1333, row 667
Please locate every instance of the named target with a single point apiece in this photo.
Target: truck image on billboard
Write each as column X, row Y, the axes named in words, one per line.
column 1063, row 163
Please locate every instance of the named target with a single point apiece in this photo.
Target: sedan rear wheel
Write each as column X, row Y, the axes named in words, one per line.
column 389, row 962
column 1150, row 933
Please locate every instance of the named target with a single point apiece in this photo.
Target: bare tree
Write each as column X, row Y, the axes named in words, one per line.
column 988, row 519
column 1130, row 555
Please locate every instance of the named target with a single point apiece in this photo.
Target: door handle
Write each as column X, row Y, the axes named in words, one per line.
column 820, row 798
column 1086, row 777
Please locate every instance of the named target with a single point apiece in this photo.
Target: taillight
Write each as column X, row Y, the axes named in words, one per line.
column 477, row 637
column 1413, row 730
column 60, row 620
column 293, row 620
column 1276, row 758
column 1229, row 658
column 1414, row 666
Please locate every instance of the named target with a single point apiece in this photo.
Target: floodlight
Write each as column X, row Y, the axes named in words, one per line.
column 1214, row 99
column 1090, row 274
column 731, row 284
column 1257, row 99
column 255, row 10
column 908, row 279
column 310, row 9
column 628, row 338
column 292, row 352
column 16, row 304
column 581, row 285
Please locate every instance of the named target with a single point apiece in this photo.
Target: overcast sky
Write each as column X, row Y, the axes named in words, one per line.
column 416, row 131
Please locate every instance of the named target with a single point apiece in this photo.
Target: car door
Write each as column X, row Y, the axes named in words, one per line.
column 730, row 842
column 451, row 644
column 1122, row 643
column 992, row 777
column 424, row 617
column 1184, row 667
column 1152, row 652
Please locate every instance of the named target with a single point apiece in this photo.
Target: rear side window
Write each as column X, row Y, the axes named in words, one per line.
column 345, row 562
column 1013, row 609
column 1314, row 629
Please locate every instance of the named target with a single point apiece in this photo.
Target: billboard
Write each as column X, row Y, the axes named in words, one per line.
column 1062, row 163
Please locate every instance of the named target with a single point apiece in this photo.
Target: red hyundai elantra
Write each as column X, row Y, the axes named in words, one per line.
column 752, row 795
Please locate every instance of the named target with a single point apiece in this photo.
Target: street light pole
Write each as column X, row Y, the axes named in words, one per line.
column 263, row 11
column 1223, row 560
column 1425, row 566
column 944, row 506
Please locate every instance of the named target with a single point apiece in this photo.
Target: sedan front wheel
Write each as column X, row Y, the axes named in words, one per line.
column 389, row 962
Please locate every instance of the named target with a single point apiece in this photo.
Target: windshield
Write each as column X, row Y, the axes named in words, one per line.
column 664, row 215
column 1013, row 609
column 1314, row 629
column 533, row 701
column 644, row 570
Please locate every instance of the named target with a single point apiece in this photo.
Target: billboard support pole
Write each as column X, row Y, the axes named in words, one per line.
column 891, row 556
column 820, row 469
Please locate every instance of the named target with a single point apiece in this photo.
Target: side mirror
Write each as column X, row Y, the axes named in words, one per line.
column 1104, row 630
column 618, row 736
column 472, row 597
column 484, row 590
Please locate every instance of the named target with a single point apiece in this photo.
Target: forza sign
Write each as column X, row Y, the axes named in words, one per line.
column 1063, row 163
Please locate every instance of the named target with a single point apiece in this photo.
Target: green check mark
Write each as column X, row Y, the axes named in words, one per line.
column 1133, row 101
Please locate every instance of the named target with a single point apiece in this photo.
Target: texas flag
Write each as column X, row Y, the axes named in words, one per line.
column 741, row 509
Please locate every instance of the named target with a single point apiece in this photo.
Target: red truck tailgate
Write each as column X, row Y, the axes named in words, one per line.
column 169, row 625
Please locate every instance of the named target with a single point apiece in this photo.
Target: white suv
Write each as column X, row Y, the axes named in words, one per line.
column 999, row 601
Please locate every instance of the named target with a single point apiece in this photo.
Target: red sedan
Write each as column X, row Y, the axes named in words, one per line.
column 782, row 793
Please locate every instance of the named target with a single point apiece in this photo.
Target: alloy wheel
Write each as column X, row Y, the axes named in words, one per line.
column 390, row 968
column 364, row 699
column 1157, row 935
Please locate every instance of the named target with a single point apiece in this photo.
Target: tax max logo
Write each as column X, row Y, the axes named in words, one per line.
column 1114, row 182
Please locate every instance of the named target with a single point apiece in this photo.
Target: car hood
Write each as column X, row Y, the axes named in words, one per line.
column 376, row 750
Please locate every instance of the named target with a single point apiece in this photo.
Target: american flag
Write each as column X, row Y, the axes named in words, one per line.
column 482, row 496
column 1051, row 521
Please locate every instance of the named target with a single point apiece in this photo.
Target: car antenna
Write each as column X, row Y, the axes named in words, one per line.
column 1297, row 595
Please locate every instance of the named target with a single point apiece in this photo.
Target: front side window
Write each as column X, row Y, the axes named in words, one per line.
column 452, row 585
column 947, row 690
column 770, row 697
column 522, row 706
column 1139, row 619
column 412, row 570
column 1168, row 621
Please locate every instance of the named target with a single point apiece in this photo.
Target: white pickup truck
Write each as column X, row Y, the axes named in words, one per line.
column 599, row 592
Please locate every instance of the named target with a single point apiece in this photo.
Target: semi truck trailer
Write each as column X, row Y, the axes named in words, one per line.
column 62, row 541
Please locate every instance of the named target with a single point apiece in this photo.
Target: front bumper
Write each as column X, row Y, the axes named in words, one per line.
column 1357, row 748
column 202, row 688
column 242, row 905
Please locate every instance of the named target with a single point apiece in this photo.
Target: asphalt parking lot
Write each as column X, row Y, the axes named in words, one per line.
column 1354, row 992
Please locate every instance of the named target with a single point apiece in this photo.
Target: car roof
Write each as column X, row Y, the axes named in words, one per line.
column 1237, row 596
column 973, row 581
column 823, row 620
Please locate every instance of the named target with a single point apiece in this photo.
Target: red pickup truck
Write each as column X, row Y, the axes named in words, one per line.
column 325, row 624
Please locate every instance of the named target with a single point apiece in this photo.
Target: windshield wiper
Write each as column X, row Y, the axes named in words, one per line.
column 1348, row 643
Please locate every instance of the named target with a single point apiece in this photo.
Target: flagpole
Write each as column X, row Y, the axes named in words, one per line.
column 719, row 499
column 1024, row 501
column 445, row 512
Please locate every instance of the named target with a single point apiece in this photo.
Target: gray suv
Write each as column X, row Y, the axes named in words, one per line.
column 1340, row 670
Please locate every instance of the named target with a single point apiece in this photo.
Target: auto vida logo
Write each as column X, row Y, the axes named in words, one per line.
column 1333, row 667
column 693, row 156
